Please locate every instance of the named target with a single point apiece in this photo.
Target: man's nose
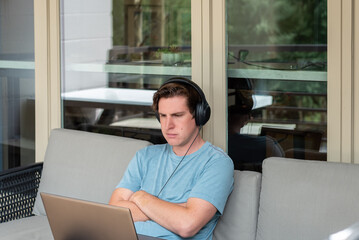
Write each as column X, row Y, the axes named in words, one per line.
column 169, row 123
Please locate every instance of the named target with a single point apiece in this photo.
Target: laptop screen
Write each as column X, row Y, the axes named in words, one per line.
column 74, row 219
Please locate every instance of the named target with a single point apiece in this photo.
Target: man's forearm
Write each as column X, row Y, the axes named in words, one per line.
column 178, row 218
column 184, row 219
column 158, row 211
column 121, row 197
column 137, row 214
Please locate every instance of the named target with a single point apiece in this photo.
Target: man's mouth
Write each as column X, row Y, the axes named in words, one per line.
column 171, row 135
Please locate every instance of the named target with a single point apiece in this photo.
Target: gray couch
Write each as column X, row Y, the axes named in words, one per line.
column 292, row 199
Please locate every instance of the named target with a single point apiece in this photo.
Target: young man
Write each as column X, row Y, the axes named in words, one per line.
column 179, row 189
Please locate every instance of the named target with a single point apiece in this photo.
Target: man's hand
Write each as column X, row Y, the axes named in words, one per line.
column 121, row 198
column 141, row 197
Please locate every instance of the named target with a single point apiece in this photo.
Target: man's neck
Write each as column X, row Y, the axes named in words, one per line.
column 196, row 145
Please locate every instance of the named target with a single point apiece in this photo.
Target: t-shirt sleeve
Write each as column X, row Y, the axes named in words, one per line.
column 132, row 176
column 215, row 183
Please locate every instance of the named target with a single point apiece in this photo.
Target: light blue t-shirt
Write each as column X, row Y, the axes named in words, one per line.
column 206, row 174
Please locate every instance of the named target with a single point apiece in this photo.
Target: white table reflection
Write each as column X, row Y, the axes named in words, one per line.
column 110, row 96
column 139, row 99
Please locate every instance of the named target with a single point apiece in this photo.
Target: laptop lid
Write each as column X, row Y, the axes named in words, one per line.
column 74, row 219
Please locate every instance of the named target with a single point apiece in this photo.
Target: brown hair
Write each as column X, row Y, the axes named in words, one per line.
column 177, row 89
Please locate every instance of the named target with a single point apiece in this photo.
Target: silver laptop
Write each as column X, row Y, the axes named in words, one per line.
column 74, row 219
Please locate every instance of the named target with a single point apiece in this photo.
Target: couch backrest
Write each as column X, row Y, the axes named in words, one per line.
column 306, row 199
column 239, row 220
column 84, row 165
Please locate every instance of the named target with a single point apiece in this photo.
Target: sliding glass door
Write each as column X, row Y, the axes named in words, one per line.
column 115, row 53
column 277, row 80
column 17, row 84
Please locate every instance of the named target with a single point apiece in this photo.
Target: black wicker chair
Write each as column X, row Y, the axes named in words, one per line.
column 18, row 189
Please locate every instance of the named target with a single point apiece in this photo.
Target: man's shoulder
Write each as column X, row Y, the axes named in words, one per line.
column 216, row 155
column 214, row 150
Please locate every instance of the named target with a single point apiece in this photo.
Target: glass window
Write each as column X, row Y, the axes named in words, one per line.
column 17, row 84
column 115, row 53
column 277, row 84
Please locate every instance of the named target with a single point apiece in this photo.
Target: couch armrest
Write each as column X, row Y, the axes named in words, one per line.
column 18, row 189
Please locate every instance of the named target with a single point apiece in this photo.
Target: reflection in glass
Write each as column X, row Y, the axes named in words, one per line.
column 17, row 84
column 280, row 46
column 248, row 151
column 115, row 53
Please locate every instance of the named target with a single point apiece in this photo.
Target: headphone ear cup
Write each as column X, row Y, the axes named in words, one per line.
column 202, row 114
column 207, row 113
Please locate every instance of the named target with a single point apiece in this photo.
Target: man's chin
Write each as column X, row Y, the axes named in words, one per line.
column 172, row 142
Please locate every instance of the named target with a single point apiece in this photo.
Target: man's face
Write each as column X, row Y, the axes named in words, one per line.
column 177, row 123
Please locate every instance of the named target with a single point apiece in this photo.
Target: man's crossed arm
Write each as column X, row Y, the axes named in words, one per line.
column 184, row 219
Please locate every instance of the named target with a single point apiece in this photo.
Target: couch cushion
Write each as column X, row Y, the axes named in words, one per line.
column 84, row 165
column 239, row 220
column 306, row 199
column 36, row 227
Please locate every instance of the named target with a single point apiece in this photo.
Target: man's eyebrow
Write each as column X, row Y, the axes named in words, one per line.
column 175, row 113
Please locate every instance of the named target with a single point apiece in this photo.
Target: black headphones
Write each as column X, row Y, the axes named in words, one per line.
column 203, row 110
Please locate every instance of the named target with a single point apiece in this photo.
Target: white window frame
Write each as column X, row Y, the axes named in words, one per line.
column 47, row 72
